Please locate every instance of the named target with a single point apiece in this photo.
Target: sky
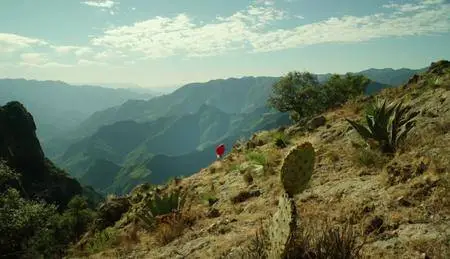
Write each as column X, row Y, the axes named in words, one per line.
column 173, row 42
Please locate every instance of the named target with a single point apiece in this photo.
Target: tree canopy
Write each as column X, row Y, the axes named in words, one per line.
column 301, row 94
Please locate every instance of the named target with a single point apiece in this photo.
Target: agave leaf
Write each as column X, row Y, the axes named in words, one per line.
column 404, row 132
column 395, row 123
column 370, row 123
column 410, row 116
column 363, row 131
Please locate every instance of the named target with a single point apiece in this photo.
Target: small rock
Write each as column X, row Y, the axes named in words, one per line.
column 316, row 122
column 213, row 213
column 245, row 195
column 375, row 224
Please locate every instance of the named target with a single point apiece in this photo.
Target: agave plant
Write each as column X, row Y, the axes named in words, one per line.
column 388, row 124
column 158, row 205
column 165, row 204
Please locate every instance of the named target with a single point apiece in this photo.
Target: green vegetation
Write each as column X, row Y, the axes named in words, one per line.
column 31, row 229
column 164, row 204
column 257, row 157
column 386, row 124
column 101, row 240
column 303, row 96
column 160, row 204
column 281, row 139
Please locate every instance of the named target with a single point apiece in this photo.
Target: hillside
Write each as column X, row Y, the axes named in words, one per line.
column 234, row 95
column 394, row 206
column 166, row 147
column 203, row 119
column 59, row 107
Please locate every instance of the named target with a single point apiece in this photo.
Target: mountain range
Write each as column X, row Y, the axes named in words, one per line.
column 58, row 106
column 150, row 140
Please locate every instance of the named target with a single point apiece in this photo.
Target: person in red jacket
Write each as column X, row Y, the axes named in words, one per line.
column 220, row 150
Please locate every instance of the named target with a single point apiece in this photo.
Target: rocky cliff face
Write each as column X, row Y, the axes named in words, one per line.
column 21, row 150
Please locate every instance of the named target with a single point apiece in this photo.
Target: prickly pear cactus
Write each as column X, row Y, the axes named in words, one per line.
column 281, row 227
column 297, row 168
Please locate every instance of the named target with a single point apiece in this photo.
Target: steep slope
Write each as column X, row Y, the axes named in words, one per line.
column 132, row 145
column 143, row 149
column 20, row 148
column 395, row 206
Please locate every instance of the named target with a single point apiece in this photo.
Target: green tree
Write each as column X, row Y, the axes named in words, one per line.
column 75, row 220
column 27, row 228
column 341, row 88
column 291, row 92
column 303, row 96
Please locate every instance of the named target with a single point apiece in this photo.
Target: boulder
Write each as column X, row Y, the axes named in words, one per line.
column 316, row 122
column 111, row 211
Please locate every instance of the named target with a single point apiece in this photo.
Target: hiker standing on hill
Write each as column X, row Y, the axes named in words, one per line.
column 220, row 150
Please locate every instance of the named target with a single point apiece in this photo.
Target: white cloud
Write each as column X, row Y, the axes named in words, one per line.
column 39, row 60
column 86, row 62
column 265, row 2
column 249, row 30
column 101, row 3
column 411, row 7
column 164, row 36
column 13, row 42
column 33, row 58
column 68, row 49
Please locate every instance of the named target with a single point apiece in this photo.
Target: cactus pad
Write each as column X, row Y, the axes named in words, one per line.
column 297, row 168
column 281, row 227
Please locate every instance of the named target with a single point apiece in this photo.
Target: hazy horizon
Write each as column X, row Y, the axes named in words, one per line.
column 166, row 45
column 125, row 85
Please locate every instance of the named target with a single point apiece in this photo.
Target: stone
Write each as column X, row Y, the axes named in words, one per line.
column 316, row 122
column 111, row 211
column 213, row 213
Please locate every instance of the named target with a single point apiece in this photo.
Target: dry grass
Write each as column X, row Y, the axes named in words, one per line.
column 173, row 226
column 312, row 241
column 368, row 158
column 430, row 248
column 244, row 195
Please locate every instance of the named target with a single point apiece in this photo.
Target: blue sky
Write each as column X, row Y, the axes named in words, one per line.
column 158, row 43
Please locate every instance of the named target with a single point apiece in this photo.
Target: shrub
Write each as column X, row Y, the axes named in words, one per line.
column 257, row 157
column 302, row 96
column 308, row 243
column 281, row 140
column 163, row 204
column 388, row 125
column 27, row 228
column 160, row 204
column 368, row 157
column 102, row 240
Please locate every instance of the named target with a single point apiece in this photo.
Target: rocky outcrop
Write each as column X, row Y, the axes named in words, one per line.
column 18, row 141
column 20, row 148
column 316, row 122
column 111, row 211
